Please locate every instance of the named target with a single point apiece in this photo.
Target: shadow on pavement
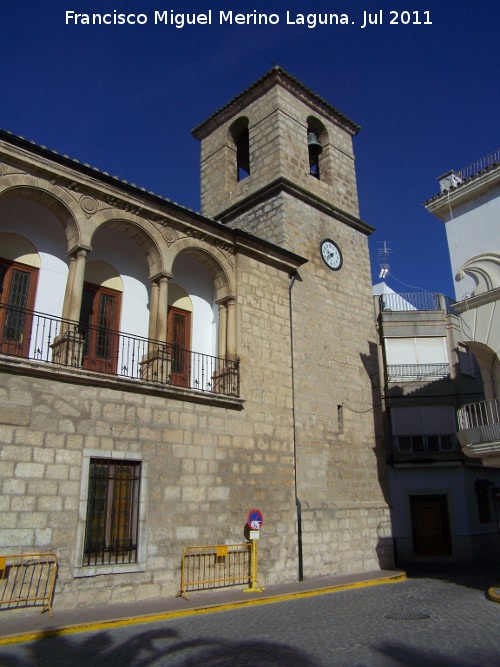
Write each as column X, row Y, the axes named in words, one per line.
column 479, row 576
column 155, row 648
column 399, row 654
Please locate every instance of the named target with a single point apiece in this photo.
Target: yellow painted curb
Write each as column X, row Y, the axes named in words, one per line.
column 493, row 594
column 162, row 616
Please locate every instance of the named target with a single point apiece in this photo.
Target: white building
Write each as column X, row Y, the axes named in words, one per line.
column 442, row 503
column 469, row 205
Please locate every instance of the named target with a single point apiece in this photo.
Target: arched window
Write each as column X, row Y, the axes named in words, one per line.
column 241, row 138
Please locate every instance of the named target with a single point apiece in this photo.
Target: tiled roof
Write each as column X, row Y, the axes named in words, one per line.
column 277, row 73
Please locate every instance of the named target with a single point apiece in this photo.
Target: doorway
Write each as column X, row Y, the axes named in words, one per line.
column 99, row 321
column 430, row 525
column 179, row 341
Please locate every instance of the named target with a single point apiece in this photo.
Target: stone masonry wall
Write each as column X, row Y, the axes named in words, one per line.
column 205, row 465
column 341, row 479
column 278, row 147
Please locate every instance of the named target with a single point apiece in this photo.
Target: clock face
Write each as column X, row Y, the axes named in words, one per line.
column 331, row 254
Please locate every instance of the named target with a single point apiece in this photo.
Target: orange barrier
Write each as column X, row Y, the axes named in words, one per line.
column 28, row 580
column 215, row 566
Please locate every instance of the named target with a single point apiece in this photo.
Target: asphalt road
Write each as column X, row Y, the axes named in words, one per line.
column 419, row 622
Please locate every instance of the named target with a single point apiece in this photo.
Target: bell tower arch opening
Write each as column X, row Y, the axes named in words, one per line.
column 317, row 142
column 241, row 138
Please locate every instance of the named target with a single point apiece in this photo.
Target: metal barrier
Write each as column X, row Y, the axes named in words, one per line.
column 215, row 566
column 28, row 579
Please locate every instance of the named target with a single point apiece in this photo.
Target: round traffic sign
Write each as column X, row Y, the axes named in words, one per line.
column 255, row 519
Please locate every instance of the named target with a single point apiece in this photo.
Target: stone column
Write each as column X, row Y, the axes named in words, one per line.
column 67, row 346
column 161, row 317
column 153, row 310
column 222, row 333
column 156, row 362
column 75, row 284
column 69, row 287
column 224, row 379
column 231, row 329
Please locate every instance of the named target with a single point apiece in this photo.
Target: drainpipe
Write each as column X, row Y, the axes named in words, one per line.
column 297, row 500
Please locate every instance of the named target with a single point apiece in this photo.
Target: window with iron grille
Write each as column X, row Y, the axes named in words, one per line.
column 112, row 526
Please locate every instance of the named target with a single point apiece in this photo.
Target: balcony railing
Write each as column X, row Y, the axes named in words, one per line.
column 479, row 427
column 410, row 372
column 480, row 165
column 43, row 338
column 412, row 301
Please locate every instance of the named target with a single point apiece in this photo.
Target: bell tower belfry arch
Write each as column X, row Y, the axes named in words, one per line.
column 267, row 130
column 277, row 161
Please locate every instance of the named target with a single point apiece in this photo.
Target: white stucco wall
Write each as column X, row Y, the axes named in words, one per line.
column 472, row 228
column 196, row 281
column 45, row 232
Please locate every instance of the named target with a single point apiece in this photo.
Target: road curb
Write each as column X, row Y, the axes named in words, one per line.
column 494, row 593
column 162, row 616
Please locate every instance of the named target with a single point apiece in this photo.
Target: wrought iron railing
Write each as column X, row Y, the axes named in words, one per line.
column 483, row 413
column 36, row 336
column 407, row 372
column 415, row 301
column 480, row 165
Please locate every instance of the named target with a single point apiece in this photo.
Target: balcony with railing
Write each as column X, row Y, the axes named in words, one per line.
column 411, row 372
column 480, row 165
column 479, row 428
column 415, row 301
column 54, row 343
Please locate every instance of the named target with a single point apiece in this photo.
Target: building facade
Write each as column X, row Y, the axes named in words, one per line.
column 469, row 206
column 163, row 371
column 443, row 504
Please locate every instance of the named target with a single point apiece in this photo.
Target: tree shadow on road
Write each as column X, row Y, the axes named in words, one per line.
column 396, row 653
column 154, row 648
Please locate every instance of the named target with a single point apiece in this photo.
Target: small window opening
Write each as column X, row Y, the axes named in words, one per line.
column 340, row 418
column 243, row 155
column 482, row 487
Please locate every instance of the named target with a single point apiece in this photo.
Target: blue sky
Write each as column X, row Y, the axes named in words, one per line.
column 125, row 98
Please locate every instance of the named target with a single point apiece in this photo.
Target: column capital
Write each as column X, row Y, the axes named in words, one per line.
column 77, row 249
column 226, row 300
column 165, row 275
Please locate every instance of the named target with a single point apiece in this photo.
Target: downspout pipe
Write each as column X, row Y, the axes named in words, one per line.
column 298, row 505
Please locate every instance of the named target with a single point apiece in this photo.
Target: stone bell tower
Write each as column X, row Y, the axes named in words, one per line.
column 277, row 161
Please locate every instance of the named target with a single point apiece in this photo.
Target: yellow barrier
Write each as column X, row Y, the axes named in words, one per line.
column 215, row 566
column 28, row 579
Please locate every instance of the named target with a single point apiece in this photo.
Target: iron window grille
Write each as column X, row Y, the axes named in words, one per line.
column 112, row 526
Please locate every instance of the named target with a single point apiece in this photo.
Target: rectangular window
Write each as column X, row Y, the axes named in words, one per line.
column 424, row 428
column 417, row 358
column 17, row 295
column 112, row 524
column 422, row 350
column 483, row 502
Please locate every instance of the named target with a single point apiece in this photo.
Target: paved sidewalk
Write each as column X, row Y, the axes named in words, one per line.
column 32, row 625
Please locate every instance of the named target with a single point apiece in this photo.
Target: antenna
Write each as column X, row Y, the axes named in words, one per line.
column 383, row 260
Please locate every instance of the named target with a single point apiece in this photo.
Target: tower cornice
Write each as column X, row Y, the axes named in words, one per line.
column 276, row 76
